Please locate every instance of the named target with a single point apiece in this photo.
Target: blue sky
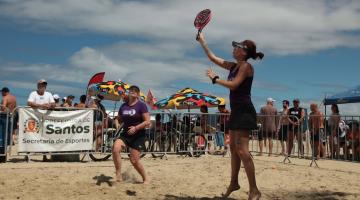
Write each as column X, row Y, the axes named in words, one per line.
column 311, row 48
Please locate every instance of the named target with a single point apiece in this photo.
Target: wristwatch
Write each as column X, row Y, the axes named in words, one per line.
column 214, row 79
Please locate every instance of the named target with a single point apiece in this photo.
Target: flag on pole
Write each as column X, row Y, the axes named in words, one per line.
column 150, row 100
column 97, row 78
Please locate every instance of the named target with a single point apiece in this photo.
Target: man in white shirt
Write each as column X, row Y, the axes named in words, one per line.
column 40, row 98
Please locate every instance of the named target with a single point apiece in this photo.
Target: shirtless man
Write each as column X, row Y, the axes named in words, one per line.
column 268, row 121
column 316, row 122
column 8, row 100
column 8, row 103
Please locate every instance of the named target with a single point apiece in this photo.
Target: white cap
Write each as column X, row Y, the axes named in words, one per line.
column 42, row 81
column 56, row 96
column 64, row 98
column 270, row 99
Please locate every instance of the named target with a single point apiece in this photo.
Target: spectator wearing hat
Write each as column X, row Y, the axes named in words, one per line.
column 268, row 115
column 41, row 98
column 69, row 101
column 57, row 100
column 296, row 116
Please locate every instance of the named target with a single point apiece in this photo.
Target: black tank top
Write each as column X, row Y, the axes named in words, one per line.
column 295, row 112
column 242, row 94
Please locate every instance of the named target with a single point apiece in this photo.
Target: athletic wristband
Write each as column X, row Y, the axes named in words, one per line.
column 214, row 79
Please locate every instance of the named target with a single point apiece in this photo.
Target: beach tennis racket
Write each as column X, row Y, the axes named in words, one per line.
column 201, row 20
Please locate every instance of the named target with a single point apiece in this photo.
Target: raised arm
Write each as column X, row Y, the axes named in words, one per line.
column 244, row 71
column 217, row 60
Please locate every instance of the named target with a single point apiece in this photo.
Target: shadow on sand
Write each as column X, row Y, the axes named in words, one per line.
column 173, row 197
column 312, row 194
column 103, row 179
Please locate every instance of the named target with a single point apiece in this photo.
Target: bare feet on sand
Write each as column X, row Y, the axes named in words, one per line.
column 230, row 189
column 146, row 181
column 118, row 177
column 255, row 195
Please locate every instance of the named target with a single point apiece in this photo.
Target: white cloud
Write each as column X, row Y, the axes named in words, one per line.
column 141, row 65
column 160, row 57
column 281, row 27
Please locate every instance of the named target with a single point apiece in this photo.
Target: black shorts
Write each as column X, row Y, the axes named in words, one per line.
column 317, row 135
column 265, row 134
column 243, row 116
column 283, row 132
column 295, row 128
column 136, row 141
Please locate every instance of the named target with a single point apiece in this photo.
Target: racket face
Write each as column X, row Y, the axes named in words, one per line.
column 202, row 18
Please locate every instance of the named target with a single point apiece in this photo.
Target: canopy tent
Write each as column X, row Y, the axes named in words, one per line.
column 349, row 96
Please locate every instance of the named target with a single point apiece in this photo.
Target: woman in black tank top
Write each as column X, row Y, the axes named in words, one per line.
column 243, row 114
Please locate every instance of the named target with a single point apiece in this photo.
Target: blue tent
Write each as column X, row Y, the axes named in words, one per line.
column 350, row 96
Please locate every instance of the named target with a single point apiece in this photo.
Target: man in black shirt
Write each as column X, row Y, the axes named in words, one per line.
column 296, row 115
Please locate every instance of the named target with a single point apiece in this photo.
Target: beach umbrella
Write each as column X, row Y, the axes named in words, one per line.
column 111, row 90
column 189, row 98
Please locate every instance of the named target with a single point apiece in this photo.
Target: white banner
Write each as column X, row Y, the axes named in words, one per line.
column 49, row 131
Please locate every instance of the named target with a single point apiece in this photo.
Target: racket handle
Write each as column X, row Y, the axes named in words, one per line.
column 198, row 34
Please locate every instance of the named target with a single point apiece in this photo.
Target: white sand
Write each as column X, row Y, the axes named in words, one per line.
column 178, row 178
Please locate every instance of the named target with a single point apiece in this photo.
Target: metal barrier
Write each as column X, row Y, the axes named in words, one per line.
column 317, row 137
column 194, row 134
column 342, row 138
column 5, row 134
column 191, row 134
column 97, row 117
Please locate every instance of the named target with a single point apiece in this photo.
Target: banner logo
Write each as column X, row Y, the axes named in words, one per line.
column 31, row 126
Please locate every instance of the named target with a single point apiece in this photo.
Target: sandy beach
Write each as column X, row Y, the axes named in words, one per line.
column 177, row 178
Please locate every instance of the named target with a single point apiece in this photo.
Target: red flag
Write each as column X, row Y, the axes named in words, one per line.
column 150, row 100
column 97, row 78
